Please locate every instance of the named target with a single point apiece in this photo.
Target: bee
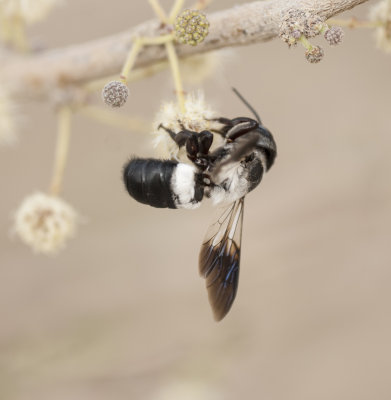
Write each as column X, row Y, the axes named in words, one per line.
column 225, row 175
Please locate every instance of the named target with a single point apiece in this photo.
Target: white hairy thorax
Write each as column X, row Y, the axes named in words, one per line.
column 232, row 181
column 232, row 184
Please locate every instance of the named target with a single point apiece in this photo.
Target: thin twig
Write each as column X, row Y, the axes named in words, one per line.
column 177, row 7
column 62, row 146
column 160, row 13
column 171, row 53
column 176, row 75
column 136, row 48
column 134, row 75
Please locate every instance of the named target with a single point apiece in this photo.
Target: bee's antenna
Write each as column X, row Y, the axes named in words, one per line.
column 247, row 104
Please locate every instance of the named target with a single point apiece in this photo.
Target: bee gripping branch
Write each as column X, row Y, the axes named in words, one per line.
column 36, row 75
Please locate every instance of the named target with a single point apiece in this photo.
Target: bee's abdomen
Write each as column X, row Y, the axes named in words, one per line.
column 148, row 181
column 162, row 183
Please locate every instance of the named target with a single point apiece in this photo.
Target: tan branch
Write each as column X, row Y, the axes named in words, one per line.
column 37, row 75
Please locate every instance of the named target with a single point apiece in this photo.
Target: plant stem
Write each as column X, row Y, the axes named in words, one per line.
column 160, row 13
column 138, row 44
column 303, row 40
column 134, row 75
column 175, row 10
column 62, row 147
column 173, row 59
column 136, row 47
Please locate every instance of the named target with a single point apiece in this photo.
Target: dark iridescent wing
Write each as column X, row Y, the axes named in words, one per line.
column 219, row 259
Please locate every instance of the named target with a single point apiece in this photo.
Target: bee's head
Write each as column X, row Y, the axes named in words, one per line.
column 268, row 145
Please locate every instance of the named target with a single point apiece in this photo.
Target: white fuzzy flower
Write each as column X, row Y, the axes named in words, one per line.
column 196, row 118
column 45, row 222
column 29, row 11
column 381, row 13
column 7, row 121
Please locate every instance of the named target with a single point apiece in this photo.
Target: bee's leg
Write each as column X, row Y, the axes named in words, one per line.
column 222, row 120
column 184, row 138
column 227, row 125
column 179, row 138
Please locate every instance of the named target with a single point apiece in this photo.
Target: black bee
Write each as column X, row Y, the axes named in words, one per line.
column 225, row 175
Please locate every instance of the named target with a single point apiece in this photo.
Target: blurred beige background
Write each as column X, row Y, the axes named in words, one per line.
column 122, row 313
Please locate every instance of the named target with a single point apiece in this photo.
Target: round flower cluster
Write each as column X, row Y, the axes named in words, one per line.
column 115, row 94
column 299, row 26
column 297, row 23
column 197, row 118
column 191, row 27
column 29, row 11
column 45, row 222
column 314, row 55
column 334, row 35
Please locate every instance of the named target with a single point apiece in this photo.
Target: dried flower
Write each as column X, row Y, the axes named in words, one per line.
column 314, row 55
column 381, row 13
column 313, row 25
column 115, row 94
column 7, row 121
column 296, row 23
column 334, row 35
column 292, row 26
column 29, row 11
column 45, row 222
column 191, row 27
column 196, row 118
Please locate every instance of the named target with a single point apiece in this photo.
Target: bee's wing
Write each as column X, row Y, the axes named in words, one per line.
column 220, row 259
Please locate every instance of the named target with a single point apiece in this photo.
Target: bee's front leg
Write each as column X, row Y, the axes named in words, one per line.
column 179, row 138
